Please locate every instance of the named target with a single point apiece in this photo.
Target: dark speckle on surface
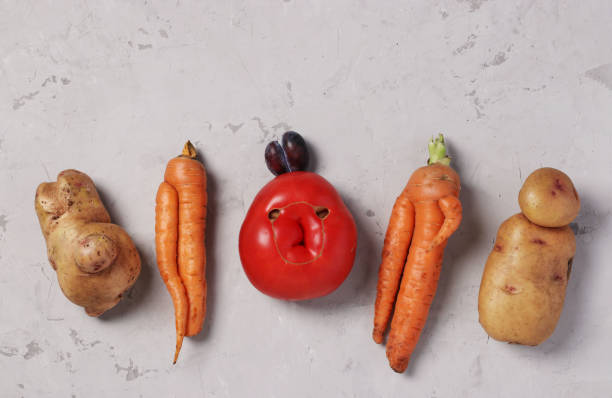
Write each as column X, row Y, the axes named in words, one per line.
column 79, row 342
column 262, row 128
column 75, row 337
column 499, row 59
column 370, row 213
column 234, row 127
column 50, row 79
column 132, row 371
column 33, row 349
column 474, row 4
column 8, row 351
column 289, row 94
column 21, row 101
column 469, row 43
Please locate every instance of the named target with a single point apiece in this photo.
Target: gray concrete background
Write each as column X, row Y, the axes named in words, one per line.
column 114, row 88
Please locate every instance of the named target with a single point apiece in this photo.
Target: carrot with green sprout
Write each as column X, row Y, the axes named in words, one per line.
column 424, row 216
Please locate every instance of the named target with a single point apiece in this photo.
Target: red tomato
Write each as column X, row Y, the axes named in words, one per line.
column 298, row 239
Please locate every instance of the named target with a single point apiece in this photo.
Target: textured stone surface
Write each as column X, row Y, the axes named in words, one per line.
column 114, row 88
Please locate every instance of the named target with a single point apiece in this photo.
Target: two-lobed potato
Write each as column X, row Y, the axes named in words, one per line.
column 95, row 260
column 524, row 281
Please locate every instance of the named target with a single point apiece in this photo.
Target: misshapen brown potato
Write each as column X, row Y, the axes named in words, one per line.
column 548, row 198
column 524, row 281
column 95, row 261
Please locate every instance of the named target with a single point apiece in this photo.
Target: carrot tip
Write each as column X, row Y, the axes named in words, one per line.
column 399, row 365
column 398, row 369
column 179, row 344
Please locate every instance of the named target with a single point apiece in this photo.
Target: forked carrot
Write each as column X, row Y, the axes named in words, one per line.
column 180, row 223
column 424, row 216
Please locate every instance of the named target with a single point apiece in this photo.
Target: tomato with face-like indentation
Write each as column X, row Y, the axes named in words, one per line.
column 298, row 239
